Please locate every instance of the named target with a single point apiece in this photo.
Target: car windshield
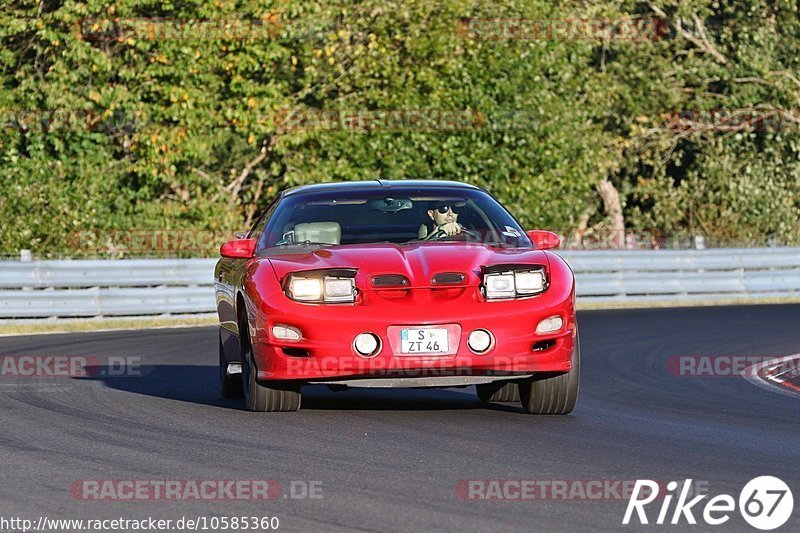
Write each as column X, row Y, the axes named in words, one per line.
column 395, row 215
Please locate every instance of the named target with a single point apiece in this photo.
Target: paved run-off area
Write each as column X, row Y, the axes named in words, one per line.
column 393, row 459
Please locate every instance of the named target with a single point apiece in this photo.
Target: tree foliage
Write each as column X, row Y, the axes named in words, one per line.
column 107, row 127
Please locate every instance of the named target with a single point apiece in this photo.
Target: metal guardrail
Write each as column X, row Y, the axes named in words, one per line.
column 80, row 288
column 674, row 276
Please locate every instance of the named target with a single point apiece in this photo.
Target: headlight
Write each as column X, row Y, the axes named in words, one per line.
column 529, row 282
column 499, row 285
column 514, row 283
column 305, row 289
column 339, row 289
column 322, row 286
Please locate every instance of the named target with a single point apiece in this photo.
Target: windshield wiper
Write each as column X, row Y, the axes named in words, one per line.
column 304, row 243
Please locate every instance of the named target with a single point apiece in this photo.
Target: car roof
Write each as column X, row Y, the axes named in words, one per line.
column 373, row 185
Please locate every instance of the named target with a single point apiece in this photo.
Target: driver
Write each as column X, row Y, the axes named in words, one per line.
column 444, row 222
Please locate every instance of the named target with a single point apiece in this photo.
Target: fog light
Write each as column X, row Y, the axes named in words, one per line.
column 367, row 344
column 550, row 325
column 480, row 341
column 286, row 333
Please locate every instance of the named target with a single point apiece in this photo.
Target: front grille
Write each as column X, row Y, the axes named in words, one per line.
column 390, row 280
column 295, row 352
column 542, row 346
column 448, row 278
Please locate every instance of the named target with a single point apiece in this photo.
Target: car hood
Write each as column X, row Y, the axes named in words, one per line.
column 417, row 261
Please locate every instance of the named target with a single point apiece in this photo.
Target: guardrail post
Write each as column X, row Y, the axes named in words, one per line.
column 699, row 242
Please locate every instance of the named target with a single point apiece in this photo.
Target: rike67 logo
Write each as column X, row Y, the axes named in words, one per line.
column 765, row 503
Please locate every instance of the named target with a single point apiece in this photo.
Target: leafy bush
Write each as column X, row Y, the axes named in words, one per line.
column 108, row 127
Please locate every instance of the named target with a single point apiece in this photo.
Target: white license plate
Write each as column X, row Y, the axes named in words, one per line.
column 430, row 340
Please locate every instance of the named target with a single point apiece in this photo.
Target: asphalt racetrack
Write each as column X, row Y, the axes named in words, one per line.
column 399, row 459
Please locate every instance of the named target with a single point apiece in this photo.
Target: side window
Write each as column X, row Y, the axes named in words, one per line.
column 258, row 227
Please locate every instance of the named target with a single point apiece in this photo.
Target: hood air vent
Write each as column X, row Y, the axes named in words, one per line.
column 448, row 278
column 390, row 280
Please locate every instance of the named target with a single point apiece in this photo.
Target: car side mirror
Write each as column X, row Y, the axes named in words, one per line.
column 238, row 249
column 544, row 240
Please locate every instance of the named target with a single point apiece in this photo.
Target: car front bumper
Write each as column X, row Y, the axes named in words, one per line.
column 325, row 352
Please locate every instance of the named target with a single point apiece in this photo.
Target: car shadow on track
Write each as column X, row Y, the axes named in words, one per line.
column 399, row 399
column 186, row 383
column 199, row 384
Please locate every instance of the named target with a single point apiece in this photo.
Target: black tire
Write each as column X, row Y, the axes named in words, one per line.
column 553, row 395
column 262, row 396
column 230, row 385
column 503, row 391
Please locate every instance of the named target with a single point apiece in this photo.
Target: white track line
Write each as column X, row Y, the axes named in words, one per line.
column 108, row 330
column 752, row 374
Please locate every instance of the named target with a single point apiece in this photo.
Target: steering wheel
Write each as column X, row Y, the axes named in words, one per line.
column 439, row 235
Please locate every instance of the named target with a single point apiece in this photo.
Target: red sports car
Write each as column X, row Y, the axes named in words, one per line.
column 396, row 284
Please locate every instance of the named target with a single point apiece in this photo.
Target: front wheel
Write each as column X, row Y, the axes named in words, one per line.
column 264, row 396
column 553, row 395
column 498, row 392
column 230, row 385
